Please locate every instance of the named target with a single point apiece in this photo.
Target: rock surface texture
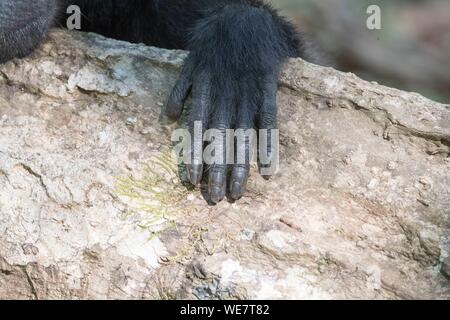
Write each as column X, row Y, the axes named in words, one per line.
column 91, row 205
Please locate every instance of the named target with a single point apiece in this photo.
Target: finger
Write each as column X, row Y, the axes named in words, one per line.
column 220, row 122
column 198, row 118
column 238, row 181
column 268, row 133
column 179, row 93
column 245, row 137
column 217, row 182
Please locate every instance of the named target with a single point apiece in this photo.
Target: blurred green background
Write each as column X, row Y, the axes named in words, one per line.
column 410, row 52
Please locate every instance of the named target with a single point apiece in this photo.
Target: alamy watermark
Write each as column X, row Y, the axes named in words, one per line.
column 374, row 20
column 73, row 22
column 228, row 147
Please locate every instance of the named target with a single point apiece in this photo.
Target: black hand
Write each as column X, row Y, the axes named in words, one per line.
column 215, row 106
column 232, row 70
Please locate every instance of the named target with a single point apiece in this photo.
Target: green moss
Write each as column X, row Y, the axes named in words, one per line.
column 155, row 195
column 156, row 199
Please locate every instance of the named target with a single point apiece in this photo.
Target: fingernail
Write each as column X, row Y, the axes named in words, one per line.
column 236, row 190
column 172, row 110
column 194, row 176
column 217, row 194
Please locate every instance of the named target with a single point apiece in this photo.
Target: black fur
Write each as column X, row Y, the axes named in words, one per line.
column 237, row 47
column 23, row 24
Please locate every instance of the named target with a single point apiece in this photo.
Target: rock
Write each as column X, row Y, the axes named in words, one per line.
column 91, row 204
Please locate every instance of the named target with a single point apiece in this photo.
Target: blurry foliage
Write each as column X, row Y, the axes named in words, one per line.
column 410, row 52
